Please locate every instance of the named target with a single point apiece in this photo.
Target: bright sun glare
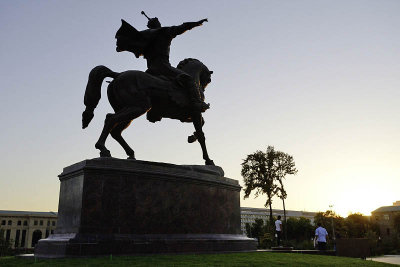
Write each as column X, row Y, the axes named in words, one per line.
column 355, row 193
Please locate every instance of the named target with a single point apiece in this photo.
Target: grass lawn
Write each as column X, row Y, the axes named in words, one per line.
column 234, row 259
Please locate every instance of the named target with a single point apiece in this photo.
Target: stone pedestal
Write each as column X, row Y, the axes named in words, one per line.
column 114, row 206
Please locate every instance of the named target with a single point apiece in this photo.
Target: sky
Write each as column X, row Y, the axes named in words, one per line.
column 318, row 80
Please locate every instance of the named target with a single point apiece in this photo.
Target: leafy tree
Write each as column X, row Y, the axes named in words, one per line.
column 373, row 242
column 247, row 226
column 357, row 225
column 257, row 175
column 261, row 231
column 353, row 226
column 326, row 218
column 261, row 169
column 256, row 229
column 284, row 166
column 299, row 229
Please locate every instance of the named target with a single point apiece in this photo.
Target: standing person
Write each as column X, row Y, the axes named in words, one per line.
column 278, row 230
column 320, row 235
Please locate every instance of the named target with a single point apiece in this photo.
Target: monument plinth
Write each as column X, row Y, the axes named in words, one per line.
column 114, row 206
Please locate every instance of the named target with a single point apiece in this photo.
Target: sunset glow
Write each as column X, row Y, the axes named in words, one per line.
column 318, row 80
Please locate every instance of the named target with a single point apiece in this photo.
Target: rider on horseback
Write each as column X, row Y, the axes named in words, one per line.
column 154, row 44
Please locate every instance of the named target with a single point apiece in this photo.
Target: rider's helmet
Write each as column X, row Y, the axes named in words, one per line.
column 153, row 23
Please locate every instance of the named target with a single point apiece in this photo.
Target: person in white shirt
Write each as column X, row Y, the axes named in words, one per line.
column 278, row 230
column 321, row 236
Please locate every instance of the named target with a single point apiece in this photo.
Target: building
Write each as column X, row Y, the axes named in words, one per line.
column 384, row 216
column 249, row 215
column 25, row 228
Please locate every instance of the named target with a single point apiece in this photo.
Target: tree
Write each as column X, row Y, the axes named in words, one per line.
column 260, row 231
column 257, row 172
column 299, row 229
column 260, row 170
column 357, row 225
column 256, row 229
column 284, row 166
column 326, row 219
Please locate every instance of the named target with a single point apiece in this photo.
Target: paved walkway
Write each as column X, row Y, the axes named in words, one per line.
column 393, row 259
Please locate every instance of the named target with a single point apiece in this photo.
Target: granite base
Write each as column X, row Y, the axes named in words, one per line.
column 113, row 206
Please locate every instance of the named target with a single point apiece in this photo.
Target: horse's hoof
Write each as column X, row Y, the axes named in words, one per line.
column 210, row 162
column 87, row 117
column 105, row 154
column 192, row 139
column 132, row 157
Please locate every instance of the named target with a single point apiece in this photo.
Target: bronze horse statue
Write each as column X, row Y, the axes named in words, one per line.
column 133, row 93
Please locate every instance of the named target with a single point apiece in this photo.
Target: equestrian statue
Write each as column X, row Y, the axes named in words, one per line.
column 162, row 91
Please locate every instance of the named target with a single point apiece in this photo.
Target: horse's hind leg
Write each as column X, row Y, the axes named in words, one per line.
column 100, row 144
column 116, row 134
column 112, row 120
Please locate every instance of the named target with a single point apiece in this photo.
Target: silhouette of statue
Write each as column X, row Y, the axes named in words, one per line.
column 162, row 91
column 134, row 93
column 154, row 45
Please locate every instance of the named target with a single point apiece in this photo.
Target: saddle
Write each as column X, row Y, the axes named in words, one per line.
column 179, row 99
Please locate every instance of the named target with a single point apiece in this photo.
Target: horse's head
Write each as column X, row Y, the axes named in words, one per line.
column 197, row 70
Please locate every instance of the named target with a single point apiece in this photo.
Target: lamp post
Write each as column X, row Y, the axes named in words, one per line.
column 333, row 228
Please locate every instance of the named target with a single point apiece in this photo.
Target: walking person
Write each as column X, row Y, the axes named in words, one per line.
column 321, row 235
column 278, row 230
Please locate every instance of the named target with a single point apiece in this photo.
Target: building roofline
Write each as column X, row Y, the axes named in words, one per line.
column 387, row 209
column 28, row 213
column 275, row 210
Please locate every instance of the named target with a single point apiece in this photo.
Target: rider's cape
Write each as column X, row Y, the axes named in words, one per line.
column 130, row 39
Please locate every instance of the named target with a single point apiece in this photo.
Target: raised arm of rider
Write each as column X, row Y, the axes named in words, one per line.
column 177, row 30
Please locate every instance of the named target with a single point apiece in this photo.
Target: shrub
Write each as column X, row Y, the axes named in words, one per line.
column 5, row 245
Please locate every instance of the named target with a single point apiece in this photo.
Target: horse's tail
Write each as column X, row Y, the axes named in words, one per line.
column 93, row 91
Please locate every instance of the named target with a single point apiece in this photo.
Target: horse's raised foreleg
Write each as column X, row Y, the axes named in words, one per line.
column 193, row 138
column 198, row 125
column 116, row 134
column 112, row 120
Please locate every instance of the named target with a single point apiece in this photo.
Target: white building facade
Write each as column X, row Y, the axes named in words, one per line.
column 24, row 228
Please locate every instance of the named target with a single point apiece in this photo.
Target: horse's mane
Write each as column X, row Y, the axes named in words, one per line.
column 185, row 61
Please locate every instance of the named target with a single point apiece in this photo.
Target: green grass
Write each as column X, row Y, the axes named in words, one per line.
column 234, row 259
